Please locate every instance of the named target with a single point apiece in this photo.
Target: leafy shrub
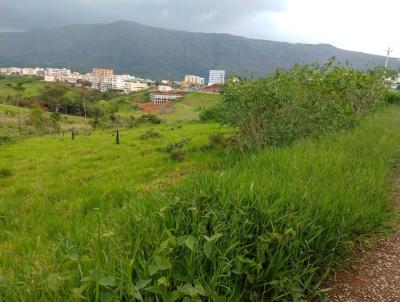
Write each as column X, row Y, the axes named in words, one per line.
column 150, row 134
column 221, row 140
column 177, row 154
column 5, row 172
column 392, row 97
column 176, row 145
column 149, row 118
column 213, row 113
column 305, row 101
column 41, row 124
column 10, row 112
column 4, row 139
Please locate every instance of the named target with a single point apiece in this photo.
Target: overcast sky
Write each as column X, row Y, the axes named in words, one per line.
column 362, row 25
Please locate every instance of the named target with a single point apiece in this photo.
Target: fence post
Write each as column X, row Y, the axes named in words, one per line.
column 117, row 138
column 73, row 134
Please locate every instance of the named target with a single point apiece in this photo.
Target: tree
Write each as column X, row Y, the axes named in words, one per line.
column 37, row 120
column 54, row 96
column 19, row 90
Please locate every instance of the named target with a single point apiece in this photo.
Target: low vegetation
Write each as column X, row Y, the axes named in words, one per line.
column 182, row 210
column 306, row 101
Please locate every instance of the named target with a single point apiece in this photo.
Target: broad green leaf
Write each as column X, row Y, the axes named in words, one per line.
column 162, row 281
column 107, row 281
column 142, row 284
column 191, row 242
column 160, row 264
column 207, row 247
column 73, row 255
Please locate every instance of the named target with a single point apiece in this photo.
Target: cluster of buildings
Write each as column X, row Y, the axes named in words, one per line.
column 103, row 79
column 16, row 71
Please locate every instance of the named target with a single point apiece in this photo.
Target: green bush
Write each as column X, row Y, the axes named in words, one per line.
column 5, row 172
column 177, row 154
column 221, row 140
column 150, row 134
column 305, row 101
column 213, row 113
column 392, row 97
column 149, row 118
column 176, row 145
column 40, row 124
column 4, row 139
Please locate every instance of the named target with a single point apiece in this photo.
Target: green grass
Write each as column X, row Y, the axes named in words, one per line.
column 191, row 105
column 9, row 121
column 91, row 219
column 185, row 109
column 32, row 87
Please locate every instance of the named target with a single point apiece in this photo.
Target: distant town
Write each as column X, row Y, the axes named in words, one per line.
column 104, row 80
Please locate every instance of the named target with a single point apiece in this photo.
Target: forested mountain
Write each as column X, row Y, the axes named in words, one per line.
column 129, row 47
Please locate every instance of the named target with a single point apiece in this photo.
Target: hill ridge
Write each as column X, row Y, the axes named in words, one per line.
column 158, row 53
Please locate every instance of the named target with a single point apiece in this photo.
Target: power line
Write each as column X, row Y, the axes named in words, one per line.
column 388, row 52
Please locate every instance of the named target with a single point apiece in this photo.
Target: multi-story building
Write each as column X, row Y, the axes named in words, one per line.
column 50, row 78
column 164, row 88
column 58, row 72
column 216, row 77
column 28, row 71
column 164, row 98
column 13, row 71
column 194, row 80
column 138, row 86
column 121, row 83
column 102, row 72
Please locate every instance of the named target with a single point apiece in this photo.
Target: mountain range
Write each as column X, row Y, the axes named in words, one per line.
column 145, row 51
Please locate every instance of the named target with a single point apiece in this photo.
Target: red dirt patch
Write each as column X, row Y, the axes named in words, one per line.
column 374, row 273
column 149, row 107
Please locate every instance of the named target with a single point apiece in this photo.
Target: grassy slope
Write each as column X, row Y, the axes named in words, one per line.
column 186, row 109
column 9, row 121
column 32, row 86
column 191, row 105
column 93, row 210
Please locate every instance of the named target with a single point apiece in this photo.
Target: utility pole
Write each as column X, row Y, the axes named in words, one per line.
column 388, row 52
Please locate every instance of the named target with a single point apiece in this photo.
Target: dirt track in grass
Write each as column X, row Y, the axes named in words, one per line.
column 374, row 274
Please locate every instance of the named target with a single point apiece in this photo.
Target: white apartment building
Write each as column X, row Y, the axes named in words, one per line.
column 194, row 80
column 50, row 78
column 138, row 86
column 28, row 71
column 164, row 88
column 22, row 71
column 58, row 72
column 163, row 98
column 12, row 71
column 121, row 83
column 216, row 77
column 106, row 83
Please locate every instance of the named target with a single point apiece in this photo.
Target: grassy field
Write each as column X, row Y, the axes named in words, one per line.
column 9, row 121
column 88, row 219
column 191, row 105
column 32, row 87
column 185, row 109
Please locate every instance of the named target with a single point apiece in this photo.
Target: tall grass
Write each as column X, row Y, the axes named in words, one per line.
column 266, row 229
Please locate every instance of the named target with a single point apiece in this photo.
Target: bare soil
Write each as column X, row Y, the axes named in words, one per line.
column 374, row 273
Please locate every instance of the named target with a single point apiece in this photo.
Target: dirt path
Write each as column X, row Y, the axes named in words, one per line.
column 375, row 273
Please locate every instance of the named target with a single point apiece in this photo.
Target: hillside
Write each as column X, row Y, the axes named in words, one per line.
column 9, row 121
column 129, row 47
column 100, row 219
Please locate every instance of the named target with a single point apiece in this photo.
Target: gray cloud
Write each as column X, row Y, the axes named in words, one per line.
column 194, row 15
